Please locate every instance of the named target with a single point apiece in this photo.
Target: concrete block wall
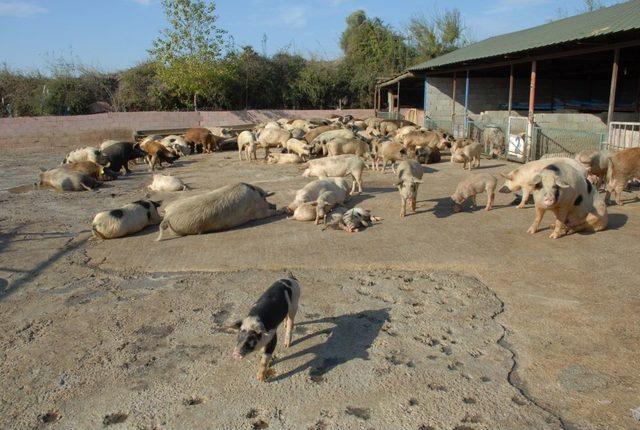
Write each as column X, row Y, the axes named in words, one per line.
column 26, row 134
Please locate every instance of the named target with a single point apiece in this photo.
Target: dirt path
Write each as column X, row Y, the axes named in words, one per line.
column 412, row 323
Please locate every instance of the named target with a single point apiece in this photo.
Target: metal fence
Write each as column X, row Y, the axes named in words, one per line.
column 559, row 142
column 389, row 115
column 622, row 135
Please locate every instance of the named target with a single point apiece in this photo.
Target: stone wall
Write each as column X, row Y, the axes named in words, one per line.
column 27, row 134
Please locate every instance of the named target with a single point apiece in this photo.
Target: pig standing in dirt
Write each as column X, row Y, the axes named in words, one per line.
column 596, row 163
column 127, row 220
column 167, row 183
column 201, row 139
column 272, row 138
column 348, row 146
column 62, row 179
column 468, row 155
column 247, row 143
column 563, row 189
column 520, row 178
column 389, row 152
column 410, row 174
column 119, row 154
column 473, row 185
column 623, row 167
column 337, row 166
column 258, row 330
column 217, row 210
column 157, row 153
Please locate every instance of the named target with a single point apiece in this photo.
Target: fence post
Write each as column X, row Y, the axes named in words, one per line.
column 466, row 106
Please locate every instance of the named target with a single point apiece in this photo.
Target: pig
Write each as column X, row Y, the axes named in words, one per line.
column 323, row 194
column 217, row 210
column 247, row 143
column 563, row 189
column 107, row 143
column 468, row 155
column 348, row 146
column 473, row 185
column 157, row 154
column 283, row 159
column 389, row 126
column 167, row 183
column 304, row 212
column 624, row 166
column 337, row 166
column 126, row 220
column 390, row 152
column 596, row 162
column 62, row 179
column 493, row 140
column 96, row 171
column 520, row 178
column 299, row 147
column 298, row 133
column 423, row 139
column 201, row 139
column 119, row 154
column 176, row 144
column 351, row 220
column 258, row 330
column 88, row 153
column 313, row 133
column 428, row 155
column 410, row 174
column 272, row 138
column 328, row 136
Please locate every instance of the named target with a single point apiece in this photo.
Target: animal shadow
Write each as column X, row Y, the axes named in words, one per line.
column 349, row 339
column 443, row 207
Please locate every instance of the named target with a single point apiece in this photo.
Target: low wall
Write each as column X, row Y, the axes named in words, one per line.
column 27, row 134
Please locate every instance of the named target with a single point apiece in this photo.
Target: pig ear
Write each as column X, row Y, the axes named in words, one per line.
column 397, row 183
column 561, row 183
column 157, row 204
column 536, row 180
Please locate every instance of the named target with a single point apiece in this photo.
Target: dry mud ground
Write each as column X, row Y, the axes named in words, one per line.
column 437, row 321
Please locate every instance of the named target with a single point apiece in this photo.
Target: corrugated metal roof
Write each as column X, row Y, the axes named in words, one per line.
column 614, row 19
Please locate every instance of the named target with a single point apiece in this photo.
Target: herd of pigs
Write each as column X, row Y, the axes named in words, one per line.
column 337, row 151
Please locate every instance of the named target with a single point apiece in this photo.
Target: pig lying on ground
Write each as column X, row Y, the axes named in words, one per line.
column 337, row 166
column 127, row 220
column 88, row 153
column 563, row 189
column 247, row 143
column 167, row 183
column 62, row 179
column 520, row 178
column 217, row 210
column 119, row 154
column 96, row 171
column 473, row 185
column 410, row 174
column 624, row 166
column 596, row 163
column 258, row 330
column 304, row 212
column 157, row 153
column 313, row 133
column 468, row 155
column 283, row 159
column 351, row 220
column 323, row 194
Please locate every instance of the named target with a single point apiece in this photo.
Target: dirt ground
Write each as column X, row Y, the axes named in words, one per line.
column 436, row 321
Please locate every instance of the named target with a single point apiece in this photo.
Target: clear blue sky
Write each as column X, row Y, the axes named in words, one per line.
column 113, row 34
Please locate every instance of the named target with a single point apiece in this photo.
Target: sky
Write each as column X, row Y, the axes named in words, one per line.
column 115, row 34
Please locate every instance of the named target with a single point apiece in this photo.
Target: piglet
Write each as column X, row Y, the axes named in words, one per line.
column 471, row 186
column 258, row 330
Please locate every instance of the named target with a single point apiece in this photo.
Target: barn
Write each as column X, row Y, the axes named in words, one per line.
column 558, row 88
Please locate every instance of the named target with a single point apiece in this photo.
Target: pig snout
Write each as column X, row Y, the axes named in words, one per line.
column 548, row 201
column 236, row 354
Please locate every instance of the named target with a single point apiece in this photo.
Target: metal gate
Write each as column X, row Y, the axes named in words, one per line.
column 623, row 135
column 517, row 145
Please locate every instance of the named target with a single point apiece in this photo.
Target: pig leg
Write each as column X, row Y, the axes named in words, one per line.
column 561, row 217
column 263, row 371
column 289, row 321
column 490, row 197
column 536, row 221
column 474, row 202
column 403, row 209
column 357, row 178
column 617, row 193
column 127, row 171
column 525, row 196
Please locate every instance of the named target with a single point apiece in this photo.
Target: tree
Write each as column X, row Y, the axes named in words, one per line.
column 591, row 5
column 432, row 37
column 186, row 53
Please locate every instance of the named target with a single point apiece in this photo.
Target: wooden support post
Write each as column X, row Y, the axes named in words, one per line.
column 511, row 81
column 453, row 104
column 466, row 106
column 398, row 114
column 532, row 104
column 425, row 104
column 614, row 83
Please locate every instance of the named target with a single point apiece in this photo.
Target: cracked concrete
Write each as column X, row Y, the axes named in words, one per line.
column 124, row 332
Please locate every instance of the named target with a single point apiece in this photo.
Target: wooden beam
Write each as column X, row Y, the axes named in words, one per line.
column 614, row 84
column 511, row 80
column 532, row 105
column 398, row 99
column 453, row 101
column 466, row 104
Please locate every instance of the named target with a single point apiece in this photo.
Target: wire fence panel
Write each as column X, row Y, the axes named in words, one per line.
column 559, row 142
column 622, row 135
column 389, row 115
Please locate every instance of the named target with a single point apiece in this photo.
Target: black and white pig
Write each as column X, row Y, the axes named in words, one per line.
column 258, row 330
